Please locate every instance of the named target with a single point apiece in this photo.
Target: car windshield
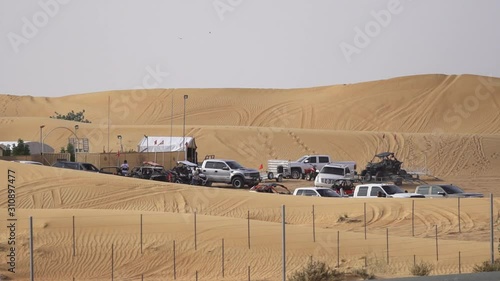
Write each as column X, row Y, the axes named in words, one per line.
column 234, row 165
column 301, row 159
column 327, row 193
column 451, row 189
column 89, row 167
column 392, row 189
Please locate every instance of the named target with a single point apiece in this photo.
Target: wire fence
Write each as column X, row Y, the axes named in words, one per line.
column 383, row 236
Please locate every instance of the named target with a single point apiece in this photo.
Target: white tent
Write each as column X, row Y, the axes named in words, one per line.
column 164, row 144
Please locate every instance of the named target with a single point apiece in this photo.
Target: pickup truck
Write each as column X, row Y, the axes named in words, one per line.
column 444, row 190
column 230, row 172
column 298, row 168
column 375, row 190
column 316, row 191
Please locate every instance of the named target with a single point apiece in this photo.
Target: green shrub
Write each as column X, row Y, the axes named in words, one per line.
column 316, row 271
column 421, row 269
column 487, row 266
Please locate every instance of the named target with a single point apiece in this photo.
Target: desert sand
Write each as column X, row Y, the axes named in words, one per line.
column 88, row 226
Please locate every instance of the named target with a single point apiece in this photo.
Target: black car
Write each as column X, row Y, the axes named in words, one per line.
column 76, row 166
column 152, row 171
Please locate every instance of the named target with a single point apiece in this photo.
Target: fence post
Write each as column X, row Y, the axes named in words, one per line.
column 283, row 241
column 195, row 246
column 74, row 239
column 412, row 217
column 112, row 261
column 387, row 241
column 248, row 273
column 222, row 257
column 492, row 226
column 32, row 261
column 437, row 249
column 175, row 272
column 459, row 223
column 364, row 212
column 141, row 233
column 459, row 262
column 338, row 249
column 314, row 225
column 248, row 227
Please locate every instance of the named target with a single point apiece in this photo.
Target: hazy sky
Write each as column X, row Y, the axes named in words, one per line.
column 62, row 47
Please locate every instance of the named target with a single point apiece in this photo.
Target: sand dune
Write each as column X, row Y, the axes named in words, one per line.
column 447, row 124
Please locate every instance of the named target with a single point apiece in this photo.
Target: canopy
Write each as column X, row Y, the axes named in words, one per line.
column 164, row 144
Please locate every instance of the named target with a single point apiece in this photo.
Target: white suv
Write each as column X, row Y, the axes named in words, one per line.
column 331, row 173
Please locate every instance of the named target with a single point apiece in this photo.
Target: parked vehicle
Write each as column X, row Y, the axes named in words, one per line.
column 183, row 171
column 331, row 173
column 151, row 171
column 230, row 172
column 374, row 190
column 82, row 166
column 111, row 170
column 383, row 165
column 278, row 169
column 444, row 190
column 315, row 191
column 27, row 162
column 270, row 188
column 311, row 173
column 297, row 168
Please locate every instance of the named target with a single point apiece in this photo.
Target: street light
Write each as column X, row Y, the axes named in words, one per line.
column 121, row 146
column 77, row 143
column 184, row 129
column 41, row 140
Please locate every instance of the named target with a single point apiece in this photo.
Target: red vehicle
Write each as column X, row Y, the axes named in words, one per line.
column 311, row 173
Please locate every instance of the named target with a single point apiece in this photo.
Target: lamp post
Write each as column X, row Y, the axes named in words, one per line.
column 121, row 146
column 184, row 129
column 41, row 140
column 77, row 143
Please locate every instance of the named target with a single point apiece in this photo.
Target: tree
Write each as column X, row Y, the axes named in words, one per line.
column 72, row 116
column 21, row 148
column 71, row 150
column 7, row 151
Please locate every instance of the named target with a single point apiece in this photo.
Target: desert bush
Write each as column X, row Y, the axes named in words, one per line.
column 316, row 271
column 343, row 218
column 421, row 269
column 487, row 266
column 362, row 273
column 72, row 116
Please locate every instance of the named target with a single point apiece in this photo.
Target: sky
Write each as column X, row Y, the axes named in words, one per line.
column 63, row 47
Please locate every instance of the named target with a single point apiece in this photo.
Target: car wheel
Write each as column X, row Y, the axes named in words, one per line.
column 367, row 176
column 270, row 175
column 178, row 181
column 237, row 182
column 379, row 176
column 296, row 174
column 279, row 178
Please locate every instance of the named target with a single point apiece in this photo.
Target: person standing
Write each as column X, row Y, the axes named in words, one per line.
column 124, row 168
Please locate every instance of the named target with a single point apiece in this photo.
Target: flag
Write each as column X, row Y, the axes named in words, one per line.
column 261, row 167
